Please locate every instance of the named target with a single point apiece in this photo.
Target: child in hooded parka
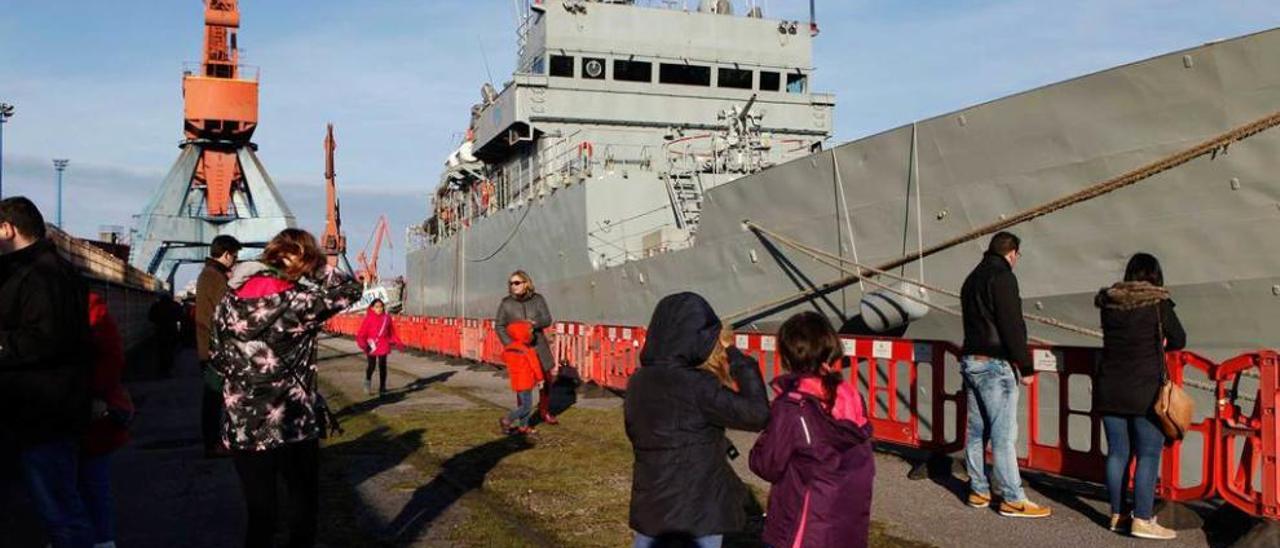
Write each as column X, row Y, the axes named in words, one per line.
column 525, row 373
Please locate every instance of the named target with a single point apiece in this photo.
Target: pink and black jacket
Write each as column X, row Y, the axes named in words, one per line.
column 264, row 345
column 377, row 334
column 820, row 463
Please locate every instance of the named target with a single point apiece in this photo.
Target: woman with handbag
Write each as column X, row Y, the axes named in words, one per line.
column 1139, row 325
column 375, row 338
column 264, row 345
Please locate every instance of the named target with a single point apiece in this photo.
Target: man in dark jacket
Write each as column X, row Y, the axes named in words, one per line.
column 676, row 414
column 210, row 287
column 995, row 355
column 45, row 369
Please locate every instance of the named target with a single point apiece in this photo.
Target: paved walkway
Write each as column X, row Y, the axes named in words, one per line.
column 169, row 495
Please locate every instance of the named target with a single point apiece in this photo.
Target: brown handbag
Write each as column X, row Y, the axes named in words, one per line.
column 1173, row 407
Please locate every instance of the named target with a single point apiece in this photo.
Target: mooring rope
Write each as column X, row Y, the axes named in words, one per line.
column 1211, row 146
column 828, row 259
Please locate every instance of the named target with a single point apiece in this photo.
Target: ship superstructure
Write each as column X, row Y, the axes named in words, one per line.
column 624, row 116
column 613, row 193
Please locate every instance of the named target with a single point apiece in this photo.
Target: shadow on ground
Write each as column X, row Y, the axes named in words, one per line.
column 459, row 475
column 392, row 396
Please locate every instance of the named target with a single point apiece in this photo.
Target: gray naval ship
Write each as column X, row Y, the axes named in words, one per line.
column 620, row 162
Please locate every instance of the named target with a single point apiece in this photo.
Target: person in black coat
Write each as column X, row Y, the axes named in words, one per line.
column 676, row 413
column 45, row 370
column 1138, row 325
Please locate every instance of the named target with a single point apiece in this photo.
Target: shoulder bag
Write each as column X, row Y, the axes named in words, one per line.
column 1173, row 407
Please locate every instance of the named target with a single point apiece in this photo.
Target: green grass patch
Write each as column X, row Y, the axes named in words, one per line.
column 568, row 486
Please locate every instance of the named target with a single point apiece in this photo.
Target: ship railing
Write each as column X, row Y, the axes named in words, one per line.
column 916, row 402
column 243, row 72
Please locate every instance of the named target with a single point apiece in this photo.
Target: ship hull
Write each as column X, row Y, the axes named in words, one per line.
column 1209, row 221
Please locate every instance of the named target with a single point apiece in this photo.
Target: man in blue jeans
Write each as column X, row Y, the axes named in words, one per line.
column 994, row 359
column 45, row 370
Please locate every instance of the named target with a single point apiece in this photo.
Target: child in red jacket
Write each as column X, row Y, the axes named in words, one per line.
column 108, row 430
column 525, row 373
column 376, row 336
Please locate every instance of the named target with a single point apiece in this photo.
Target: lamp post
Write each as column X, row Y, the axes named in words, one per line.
column 6, row 110
column 60, row 165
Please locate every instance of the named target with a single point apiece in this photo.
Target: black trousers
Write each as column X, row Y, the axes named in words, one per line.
column 211, row 410
column 381, row 363
column 298, row 466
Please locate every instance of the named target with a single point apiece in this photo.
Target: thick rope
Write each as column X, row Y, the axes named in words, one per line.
column 1209, row 147
column 829, row 260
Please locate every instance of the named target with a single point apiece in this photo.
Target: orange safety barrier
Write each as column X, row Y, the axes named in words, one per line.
column 903, row 382
column 1175, row 483
column 1247, row 441
column 916, row 399
column 571, row 346
column 618, row 353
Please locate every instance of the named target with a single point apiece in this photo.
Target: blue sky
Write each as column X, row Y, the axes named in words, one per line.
column 99, row 83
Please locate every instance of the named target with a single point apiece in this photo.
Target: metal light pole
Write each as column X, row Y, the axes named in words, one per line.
column 60, row 165
column 6, row 110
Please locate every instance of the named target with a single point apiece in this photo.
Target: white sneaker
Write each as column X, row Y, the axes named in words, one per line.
column 1149, row 529
column 368, row 388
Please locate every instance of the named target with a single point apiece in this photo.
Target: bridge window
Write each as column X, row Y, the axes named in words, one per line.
column 562, row 65
column 632, row 71
column 539, row 65
column 735, row 78
column 689, row 75
column 593, row 68
column 769, row 80
column 797, row 83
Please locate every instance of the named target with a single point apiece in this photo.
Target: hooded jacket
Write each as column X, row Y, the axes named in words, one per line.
column 1136, row 317
column 676, row 415
column 992, row 310
column 377, row 333
column 821, row 466
column 45, row 359
column 264, row 345
column 534, row 309
column 521, row 359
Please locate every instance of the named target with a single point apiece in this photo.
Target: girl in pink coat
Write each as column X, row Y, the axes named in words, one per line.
column 377, row 334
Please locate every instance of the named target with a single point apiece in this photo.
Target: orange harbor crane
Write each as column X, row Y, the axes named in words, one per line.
column 333, row 242
column 367, row 259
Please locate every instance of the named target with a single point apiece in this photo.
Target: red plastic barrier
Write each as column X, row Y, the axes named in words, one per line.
column 618, row 353
column 916, row 399
column 1247, row 442
column 1173, row 486
column 888, row 373
column 571, row 346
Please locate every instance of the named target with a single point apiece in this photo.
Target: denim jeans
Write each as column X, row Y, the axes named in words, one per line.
column 50, row 471
column 709, row 541
column 1133, row 436
column 95, row 491
column 993, row 416
column 524, row 409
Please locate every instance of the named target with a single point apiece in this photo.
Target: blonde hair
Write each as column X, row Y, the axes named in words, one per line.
column 528, row 282
column 718, row 362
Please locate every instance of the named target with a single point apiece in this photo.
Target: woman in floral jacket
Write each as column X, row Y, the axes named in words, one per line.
column 264, row 345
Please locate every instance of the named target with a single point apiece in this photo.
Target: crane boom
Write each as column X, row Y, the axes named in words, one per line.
column 367, row 259
column 333, row 243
